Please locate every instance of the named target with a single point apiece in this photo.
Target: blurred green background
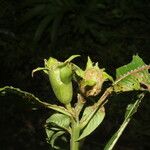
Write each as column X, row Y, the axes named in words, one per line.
column 109, row 31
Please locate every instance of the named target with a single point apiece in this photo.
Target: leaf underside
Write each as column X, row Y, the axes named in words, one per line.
column 56, row 126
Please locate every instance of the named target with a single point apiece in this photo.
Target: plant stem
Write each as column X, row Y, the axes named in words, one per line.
column 74, row 144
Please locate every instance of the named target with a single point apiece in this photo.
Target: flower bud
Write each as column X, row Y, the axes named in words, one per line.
column 92, row 79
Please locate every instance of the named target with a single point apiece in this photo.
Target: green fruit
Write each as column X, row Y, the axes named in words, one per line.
column 60, row 79
column 60, row 76
column 62, row 90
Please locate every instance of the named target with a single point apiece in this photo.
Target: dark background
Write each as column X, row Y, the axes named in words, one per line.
column 109, row 31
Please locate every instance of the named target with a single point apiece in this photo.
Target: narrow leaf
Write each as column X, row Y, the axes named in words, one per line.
column 71, row 58
column 42, row 26
column 55, row 27
column 131, row 109
column 33, row 99
column 39, row 69
column 34, row 12
column 54, row 137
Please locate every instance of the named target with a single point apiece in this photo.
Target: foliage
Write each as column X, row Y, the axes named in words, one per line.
column 120, row 29
column 130, row 110
column 104, row 26
column 52, row 13
column 80, row 120
column 134, row 75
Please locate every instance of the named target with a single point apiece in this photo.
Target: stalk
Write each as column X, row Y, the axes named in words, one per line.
column 74, row 144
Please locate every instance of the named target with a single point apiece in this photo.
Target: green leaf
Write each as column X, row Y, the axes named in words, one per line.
column 71, row 58
column 93, row 123
column 40, row 69
column 59, row 120
column 55, row 27
column 130, row 111
column 33, row 99
column 133, row 76
column 56, row 126
column 49, row 133
column 89, row 63
column 42, row 26
column 79, row 72
column 132, row 108
column 108, row 77
column 34, row 12
column 54, row 137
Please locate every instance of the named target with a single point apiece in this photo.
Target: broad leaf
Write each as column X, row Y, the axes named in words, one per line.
column 59, row 120
column 94, row 122
column 131, row 109
column 133, row 76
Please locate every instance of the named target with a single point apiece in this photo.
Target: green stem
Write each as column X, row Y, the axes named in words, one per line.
column 74, row 143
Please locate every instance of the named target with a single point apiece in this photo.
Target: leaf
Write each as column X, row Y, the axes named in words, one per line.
column 133, row 76
column 42, row 26
column 130, row 111
column 54, row 137
column 79, row 72
column 59, row 120
column 71, row 58
column 55, row 27
column 108, row 77
column 89, row 63
column 56, row 126
column 132, row 108
column 33, row 99
column 93, row 123
column 40, row 69
column 34, row 12
column 49, row 133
